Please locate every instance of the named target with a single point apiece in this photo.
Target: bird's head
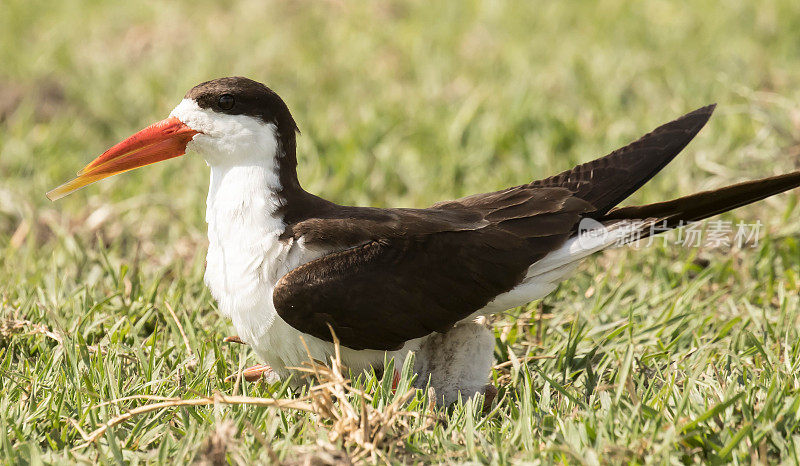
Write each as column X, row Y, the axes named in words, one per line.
column 228, row 121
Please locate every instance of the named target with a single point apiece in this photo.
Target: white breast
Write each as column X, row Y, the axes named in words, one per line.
column 246, row 258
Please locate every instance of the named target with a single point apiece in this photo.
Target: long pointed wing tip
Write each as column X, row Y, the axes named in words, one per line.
column 705, row 110
column 703, row 113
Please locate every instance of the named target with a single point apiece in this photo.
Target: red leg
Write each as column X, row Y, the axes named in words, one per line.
column 252, row 373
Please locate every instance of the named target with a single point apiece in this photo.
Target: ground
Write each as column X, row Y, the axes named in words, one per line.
column 664, row 353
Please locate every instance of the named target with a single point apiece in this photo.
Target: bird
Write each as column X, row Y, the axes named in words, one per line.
column 293, row 271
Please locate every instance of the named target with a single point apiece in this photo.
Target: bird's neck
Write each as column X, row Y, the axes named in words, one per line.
column 260, row 197
column 245, row 198
column 244, row 229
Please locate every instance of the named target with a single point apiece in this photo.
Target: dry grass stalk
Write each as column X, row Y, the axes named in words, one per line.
column 355, row 422
column 13, row 326
column 320, row 454
column 520, row 361
column 10, row 327
column 180, row 328
column 215, row 448
column 299, row 404
column 370, row 431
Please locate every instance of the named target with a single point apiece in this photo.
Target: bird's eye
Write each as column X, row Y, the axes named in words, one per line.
column 226, row 101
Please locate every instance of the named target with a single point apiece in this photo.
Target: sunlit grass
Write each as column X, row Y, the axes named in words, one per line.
column 657, row 354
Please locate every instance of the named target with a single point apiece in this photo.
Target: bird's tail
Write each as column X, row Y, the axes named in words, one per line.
column 699, row 206
column 632, row 223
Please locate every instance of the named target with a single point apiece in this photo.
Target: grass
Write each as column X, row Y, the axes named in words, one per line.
column 661, row 354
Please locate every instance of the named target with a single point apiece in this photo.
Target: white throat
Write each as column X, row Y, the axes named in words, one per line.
column 245, row 254
column 243, row 196
column 244, row 228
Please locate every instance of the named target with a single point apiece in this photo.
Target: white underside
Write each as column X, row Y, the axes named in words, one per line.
column 246, row 259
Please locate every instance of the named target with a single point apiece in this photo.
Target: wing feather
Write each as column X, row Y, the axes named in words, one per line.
column 400, row 274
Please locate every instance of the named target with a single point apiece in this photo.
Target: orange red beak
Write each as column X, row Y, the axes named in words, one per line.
column 159, row 141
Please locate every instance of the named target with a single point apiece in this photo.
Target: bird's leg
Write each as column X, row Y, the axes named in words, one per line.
column 255, row 373
column 252, row 373
column 395, row 380
column 458, row 363
column 233, row 339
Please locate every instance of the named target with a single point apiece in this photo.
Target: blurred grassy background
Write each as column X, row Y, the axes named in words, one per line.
column 399, row 104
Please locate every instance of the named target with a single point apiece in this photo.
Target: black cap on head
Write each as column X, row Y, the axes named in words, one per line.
column 241, row 96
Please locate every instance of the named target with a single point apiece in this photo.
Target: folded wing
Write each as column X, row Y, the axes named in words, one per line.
column 405, row 273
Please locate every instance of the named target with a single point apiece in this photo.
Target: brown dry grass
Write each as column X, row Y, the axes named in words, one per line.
column 366, row 432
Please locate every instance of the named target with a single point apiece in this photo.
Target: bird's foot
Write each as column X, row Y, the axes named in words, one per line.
column 255, row 373
column 233, row 339
column 252, row 373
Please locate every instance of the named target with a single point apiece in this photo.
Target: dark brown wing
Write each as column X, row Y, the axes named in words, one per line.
column 607, row 181
column 405, row 273
column 422, row 276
